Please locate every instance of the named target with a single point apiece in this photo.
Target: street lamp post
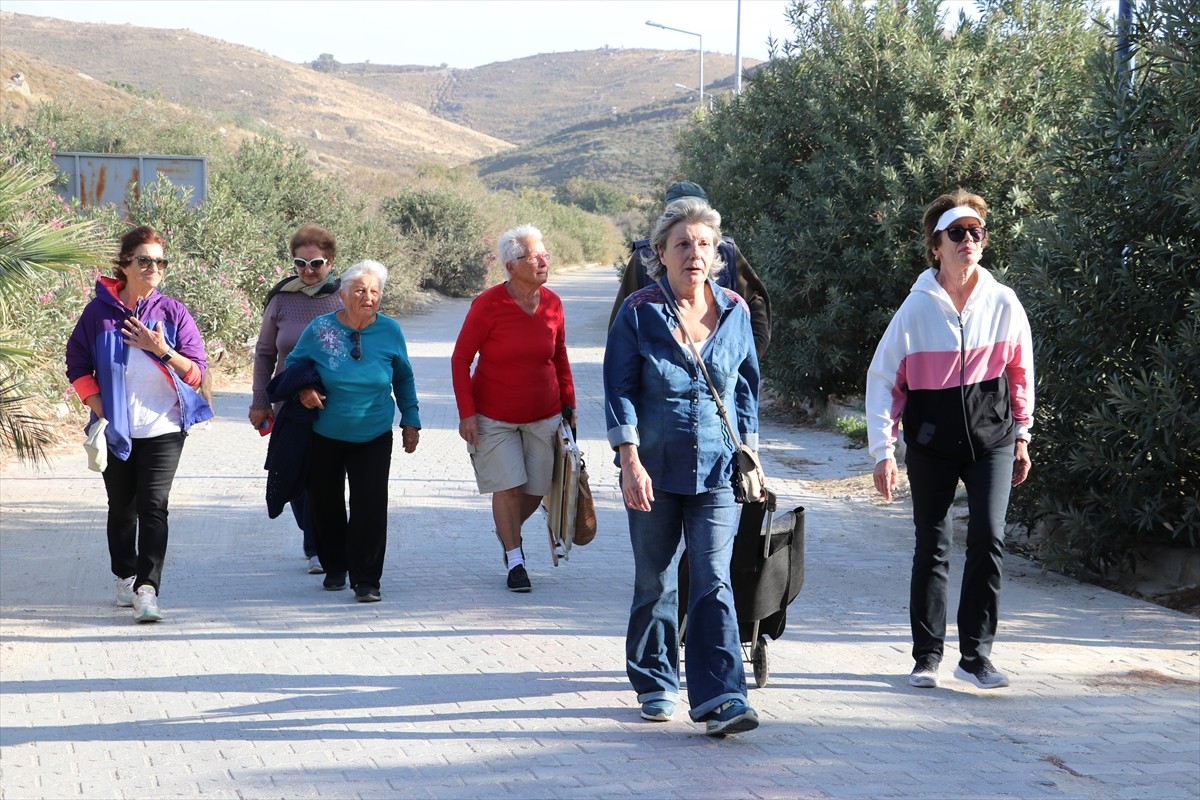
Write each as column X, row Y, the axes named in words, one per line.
column 701, row 45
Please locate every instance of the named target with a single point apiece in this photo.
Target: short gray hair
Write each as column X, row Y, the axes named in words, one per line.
column 686, row 210
column 356, row 271
column 510, row 247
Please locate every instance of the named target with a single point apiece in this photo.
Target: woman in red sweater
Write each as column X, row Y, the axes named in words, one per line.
column 509, row 408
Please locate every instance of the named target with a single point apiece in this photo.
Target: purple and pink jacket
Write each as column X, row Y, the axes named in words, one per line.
column 961, row 383
column 97, row 354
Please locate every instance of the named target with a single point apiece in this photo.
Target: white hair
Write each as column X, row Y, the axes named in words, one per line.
column 511, row 245
column 367, row 267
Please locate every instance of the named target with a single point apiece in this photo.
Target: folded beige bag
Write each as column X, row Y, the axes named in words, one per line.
column 97, row 447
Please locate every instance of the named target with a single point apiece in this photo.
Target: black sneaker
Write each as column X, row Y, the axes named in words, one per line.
column 518, row 579
column 366, row 594
column 334, row 581
column 925, row 673
column 980, row 672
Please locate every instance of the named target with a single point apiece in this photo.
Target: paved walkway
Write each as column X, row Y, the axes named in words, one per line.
column 259, row 684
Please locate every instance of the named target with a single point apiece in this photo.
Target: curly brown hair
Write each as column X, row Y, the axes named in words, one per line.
column 132, row 240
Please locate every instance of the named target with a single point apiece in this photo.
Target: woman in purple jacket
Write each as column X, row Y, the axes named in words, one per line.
column 135, row 359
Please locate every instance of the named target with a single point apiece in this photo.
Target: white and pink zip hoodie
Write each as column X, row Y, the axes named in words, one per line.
column 961, row 383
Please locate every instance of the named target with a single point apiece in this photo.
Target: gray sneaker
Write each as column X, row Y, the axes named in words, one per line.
column 125, row 591
column 980, row 672
column 314, row 566
column 925, row 673
column 145, row 604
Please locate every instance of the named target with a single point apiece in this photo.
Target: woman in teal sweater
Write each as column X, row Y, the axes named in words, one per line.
column 365, row 374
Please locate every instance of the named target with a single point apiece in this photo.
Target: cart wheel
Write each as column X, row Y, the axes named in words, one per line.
column 758, row 657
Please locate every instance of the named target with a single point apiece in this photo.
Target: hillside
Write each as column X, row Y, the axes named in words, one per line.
column 344, row 125
column 525, row 100
column 609, row 115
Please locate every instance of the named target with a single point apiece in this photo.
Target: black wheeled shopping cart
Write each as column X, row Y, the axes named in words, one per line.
column 766, row 571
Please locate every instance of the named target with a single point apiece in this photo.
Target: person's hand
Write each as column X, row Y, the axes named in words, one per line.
column 259, row 416
column 138, row 334
column 95, row 404
column 468, row 429
column 311, row 398
column 1021, row 462
column 637, row 490
column 409, row 437
column 568, row 415
column 886, row 478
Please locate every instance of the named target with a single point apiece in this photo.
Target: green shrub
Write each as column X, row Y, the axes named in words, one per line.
column 41, row 248
column 854, row 428
column 445, row 235
column 1113, row 295
column 824, row 164
column 593, row 196
column 276, row 186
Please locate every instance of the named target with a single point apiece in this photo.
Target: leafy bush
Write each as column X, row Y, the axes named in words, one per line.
column 41, row 245
column 594, row 196
column 445, row 235
column 853, row 428
column 1113, row 294
column 825, row 163
column 276, row 186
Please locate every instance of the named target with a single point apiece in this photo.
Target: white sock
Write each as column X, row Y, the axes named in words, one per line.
column 515, row 558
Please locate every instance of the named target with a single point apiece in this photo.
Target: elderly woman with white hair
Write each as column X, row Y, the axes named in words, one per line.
column 362, row 361
column 509, row 409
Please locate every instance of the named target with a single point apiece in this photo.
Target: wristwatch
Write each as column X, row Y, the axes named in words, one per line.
column 167, row 356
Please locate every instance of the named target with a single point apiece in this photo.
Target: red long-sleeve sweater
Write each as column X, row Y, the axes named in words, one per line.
column 523, row 373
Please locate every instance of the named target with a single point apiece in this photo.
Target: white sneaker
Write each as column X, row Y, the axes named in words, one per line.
column 314, row 566
column 125, row 591
column 145, row 604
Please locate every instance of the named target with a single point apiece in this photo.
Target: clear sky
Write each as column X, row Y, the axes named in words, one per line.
column 461, row 33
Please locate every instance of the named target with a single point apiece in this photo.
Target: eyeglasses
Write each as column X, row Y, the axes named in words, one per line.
column 535, row 257
column 957, row 233
column 316, row 263
column 356, row 341
column 146, row 261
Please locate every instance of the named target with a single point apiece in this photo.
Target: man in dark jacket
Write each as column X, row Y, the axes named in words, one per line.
column 738, row 274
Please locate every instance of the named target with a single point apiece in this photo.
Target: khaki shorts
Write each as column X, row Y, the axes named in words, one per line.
column 509, row 455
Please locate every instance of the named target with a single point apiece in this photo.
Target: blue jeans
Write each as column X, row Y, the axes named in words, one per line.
column 933, row 480
column 707, row 522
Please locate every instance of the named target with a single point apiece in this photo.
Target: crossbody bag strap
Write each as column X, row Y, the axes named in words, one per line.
column 696, row 352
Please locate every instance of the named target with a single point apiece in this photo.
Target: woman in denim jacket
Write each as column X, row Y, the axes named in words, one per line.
column 676, row 462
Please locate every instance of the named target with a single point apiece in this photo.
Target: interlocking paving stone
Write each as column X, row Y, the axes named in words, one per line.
column 258, row 684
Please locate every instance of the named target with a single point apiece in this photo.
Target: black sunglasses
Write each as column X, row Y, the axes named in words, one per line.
column 356, row 341
column 147, row 261
column 316, row 263
column 957, row 233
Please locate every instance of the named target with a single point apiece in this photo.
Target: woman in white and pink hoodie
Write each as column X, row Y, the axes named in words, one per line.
column 956, row 367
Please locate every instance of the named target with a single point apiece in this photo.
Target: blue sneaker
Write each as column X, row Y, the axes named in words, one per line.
column 732, row 716
column 658, row 710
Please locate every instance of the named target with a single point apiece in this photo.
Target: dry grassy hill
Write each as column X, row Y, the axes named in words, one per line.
column 343, row 124
column 528, row 99
column 609, row 115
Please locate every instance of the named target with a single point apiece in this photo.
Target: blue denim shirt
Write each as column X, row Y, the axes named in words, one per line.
column 656, row 397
